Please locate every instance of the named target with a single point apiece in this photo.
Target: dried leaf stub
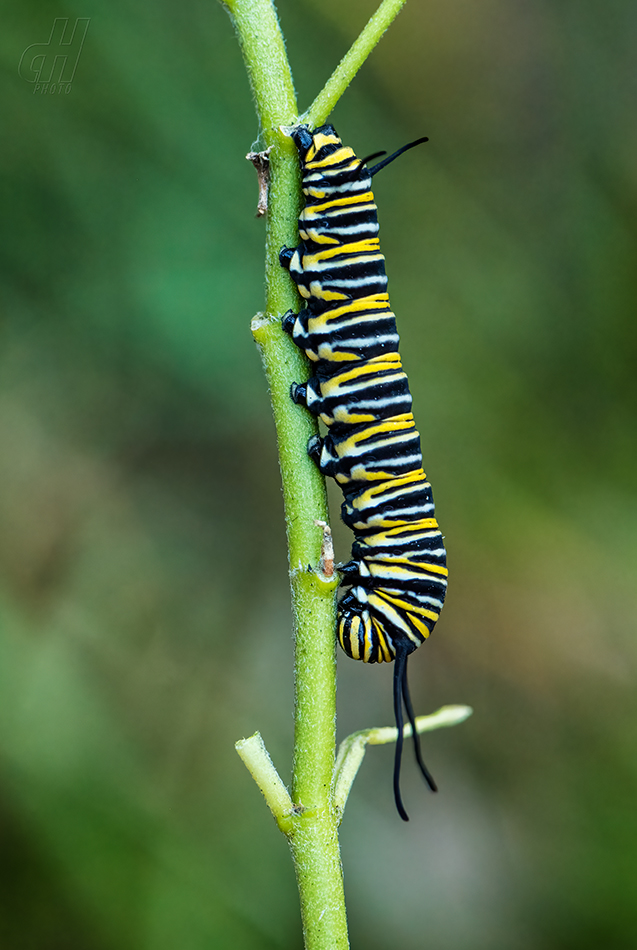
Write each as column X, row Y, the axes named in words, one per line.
column 261, row 162
column 326, row 564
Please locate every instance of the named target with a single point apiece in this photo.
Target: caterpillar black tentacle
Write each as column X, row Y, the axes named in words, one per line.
column 397, row 576
column 373, row 171
column 412, row 719
column 399, row 672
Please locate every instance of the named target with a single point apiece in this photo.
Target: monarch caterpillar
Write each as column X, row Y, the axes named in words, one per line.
column 397, row 576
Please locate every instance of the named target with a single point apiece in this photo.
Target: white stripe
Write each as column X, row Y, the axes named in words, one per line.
column 319, row 185
column 345, row 258
column 414, row 550
column 351, row 229
column 384, row 443
column 347, row 320
column 357, row 282
column 409, row 459
column 311, row 212
column 391, row 614
column 417, row 509
column 356, row 385
column 389, row 494
column 365, row 384
column 361, row 342
column 379, row 404
column 381, row 558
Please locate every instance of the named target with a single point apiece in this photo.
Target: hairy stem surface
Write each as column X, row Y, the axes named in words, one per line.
column 352, row 61
column 313, row 827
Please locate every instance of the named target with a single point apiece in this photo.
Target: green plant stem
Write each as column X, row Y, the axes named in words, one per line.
column 352, row 61
column 312, row 830
column 266, row 61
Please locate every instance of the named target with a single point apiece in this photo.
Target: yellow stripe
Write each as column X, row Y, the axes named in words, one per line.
column 340, row 155
column 388, row 361
column 352, row 381
column 312, row 235
column 357, row 317
column 326, row 323
column 319, row 141
column 391, row 571
column 343, row 415
column 378, row 302
column 423, row 565
column 317, row 291
column 387, row 610
column 410, row 608
column 353, row 637
column 408, row 536
column 312, row 262
column 384, row 653
column 359, row 473
column 411, row 478
column 393, row 487
column 402, row 430
column 424, row 629
column 356, row 247
column 395, row 435
column 326, row 352
column 367, row 198
column 369, row 643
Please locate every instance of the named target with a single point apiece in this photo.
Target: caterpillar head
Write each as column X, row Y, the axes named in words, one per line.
column 322, row 148
column 318, row 144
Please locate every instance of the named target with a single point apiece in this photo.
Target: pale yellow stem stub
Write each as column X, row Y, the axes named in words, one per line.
column 257, row 760
column 351, row 751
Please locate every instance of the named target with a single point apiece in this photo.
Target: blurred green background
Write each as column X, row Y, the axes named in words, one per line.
column 144, row 609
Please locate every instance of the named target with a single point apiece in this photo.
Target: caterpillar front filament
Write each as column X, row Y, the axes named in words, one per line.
column 397, row 576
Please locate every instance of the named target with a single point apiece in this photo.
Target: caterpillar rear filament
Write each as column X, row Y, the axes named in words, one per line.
column 397, row 576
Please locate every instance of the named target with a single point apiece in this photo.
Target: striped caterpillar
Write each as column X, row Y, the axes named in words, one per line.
column 397, row 576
